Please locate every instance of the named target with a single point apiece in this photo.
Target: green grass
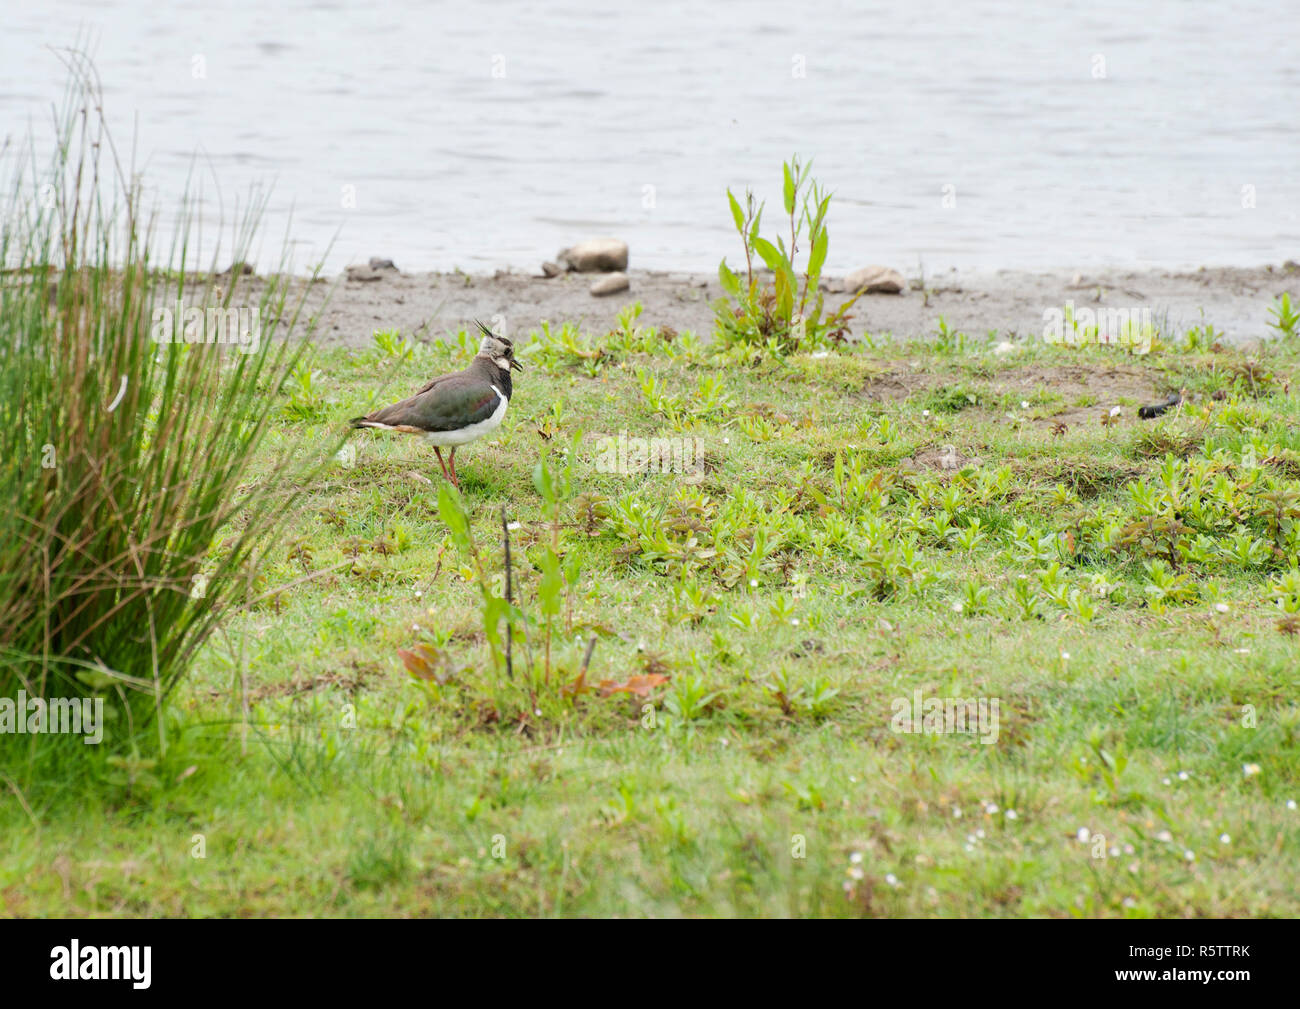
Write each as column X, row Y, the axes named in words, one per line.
column 821, row 565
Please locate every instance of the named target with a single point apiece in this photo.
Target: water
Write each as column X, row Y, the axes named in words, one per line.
column 491, row 136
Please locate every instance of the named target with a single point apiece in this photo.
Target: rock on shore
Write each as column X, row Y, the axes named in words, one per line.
column 874, row 280
column 597, row 255
column 610, row 284
column 376, row 269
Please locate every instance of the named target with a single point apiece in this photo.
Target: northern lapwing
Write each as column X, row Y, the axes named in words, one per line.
column 456, row 409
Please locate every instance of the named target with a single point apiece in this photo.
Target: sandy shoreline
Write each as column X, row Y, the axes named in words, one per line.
column 1234, row 300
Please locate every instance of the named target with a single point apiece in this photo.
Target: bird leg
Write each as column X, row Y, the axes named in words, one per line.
column 452, row 462
column 442, row 464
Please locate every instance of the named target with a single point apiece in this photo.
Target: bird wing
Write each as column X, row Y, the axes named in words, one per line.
column 432, row 382
column 447, row 404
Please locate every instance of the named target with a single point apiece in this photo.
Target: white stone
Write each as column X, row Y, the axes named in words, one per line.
column 875, row 280
column 597, row 255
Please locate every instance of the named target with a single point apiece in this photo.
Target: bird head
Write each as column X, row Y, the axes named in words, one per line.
column 497, row 349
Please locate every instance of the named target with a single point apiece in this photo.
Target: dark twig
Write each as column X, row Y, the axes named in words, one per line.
column 510, row 601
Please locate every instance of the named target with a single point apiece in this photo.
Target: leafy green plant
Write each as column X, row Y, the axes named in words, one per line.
column 948, row 341
column 1082, row 605
column 391, row 344
column 1202, row 337
column 971, row 535
column 305, row 399
column 690, row 697
column 1286, row 318
column 1024, row 602
column 654, row 393
column 786, row 317
column 629, row 337
column 567, row 347
column 1107, row 770
column 974, row 599
column 812, row 696
column 1164, row 587
column 462, row 345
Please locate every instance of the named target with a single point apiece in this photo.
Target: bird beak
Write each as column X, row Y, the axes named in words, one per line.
column 515, row 365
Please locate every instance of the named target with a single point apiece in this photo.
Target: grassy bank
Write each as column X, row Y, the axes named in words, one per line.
column 961, row 517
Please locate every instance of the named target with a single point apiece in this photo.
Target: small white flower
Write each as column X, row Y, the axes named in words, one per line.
column 991, row 808
column 1083, row 835
column 1250, row 770
column 726, row 441
column 970, row 847
column 1024, row 404
column 537, row 712
column 1113, row 851
column 512, row 526
column 795, row 621
column 958, row 607
column 419, row 594
column 971, row 839
column 956, row 811
column 415, row 628
column 1225, row 839
column 856, row 858
column 1169, row 781
column 925, row 413
column 1165, row 836
column 1290, row 803
column 891, row 879
column 1189, row 855
column 1183, row 775
column 1221, row 607
column 1241, row 651
column 1115, row 411
column 1065, row 656
column 1130, row 902
column 1012, row 814
column 1133, row 868
column 980, row 833
column 753, row 583
column 1128, row 849
column 856, row 873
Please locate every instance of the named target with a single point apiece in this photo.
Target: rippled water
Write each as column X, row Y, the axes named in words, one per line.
column 491, row 136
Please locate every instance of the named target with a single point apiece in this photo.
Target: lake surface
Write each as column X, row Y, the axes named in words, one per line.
column 449, row 135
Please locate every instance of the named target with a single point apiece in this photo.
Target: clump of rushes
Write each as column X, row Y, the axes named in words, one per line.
column 785, row 317
column 122, row 459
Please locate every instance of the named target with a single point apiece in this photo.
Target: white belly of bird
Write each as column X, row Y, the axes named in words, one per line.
column 465, row 435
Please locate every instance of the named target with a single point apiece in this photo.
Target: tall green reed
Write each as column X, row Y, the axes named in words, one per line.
column 134, row 515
